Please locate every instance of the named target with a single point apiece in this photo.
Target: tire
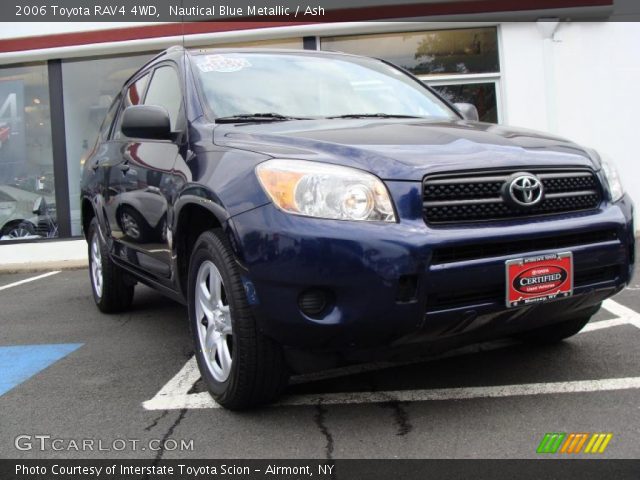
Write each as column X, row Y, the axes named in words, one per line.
column 556, row 333
column 112, row 288
column 20, row 230
column 133, row 224
column 240, row 366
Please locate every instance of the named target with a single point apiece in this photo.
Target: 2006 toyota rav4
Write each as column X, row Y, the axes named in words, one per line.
column 317, row 209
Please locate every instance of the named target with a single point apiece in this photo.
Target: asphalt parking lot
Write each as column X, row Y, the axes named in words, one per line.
column 76, row 375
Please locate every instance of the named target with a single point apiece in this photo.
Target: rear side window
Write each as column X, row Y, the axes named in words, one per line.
column 164, row 90
column 133, row 96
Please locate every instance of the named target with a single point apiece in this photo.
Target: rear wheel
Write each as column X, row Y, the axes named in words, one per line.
column 112, row 289
column 134, row 225
column 240, row 366
column 557, row 332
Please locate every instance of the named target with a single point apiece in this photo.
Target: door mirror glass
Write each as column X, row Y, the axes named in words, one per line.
column 147, row 122
column 468, row 111
column 39, row 206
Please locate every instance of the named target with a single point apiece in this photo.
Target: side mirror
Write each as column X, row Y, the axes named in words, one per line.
column 468, row 111
column 39, row 206
column 146, row 121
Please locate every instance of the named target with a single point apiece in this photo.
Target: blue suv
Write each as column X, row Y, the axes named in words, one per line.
column 319, row 209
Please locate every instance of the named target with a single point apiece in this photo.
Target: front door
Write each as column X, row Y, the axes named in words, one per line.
column 142, row 184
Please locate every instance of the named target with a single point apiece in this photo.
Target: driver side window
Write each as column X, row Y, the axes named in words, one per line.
column 133, row 96
column 164, row 90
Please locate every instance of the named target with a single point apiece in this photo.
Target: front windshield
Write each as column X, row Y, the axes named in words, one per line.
column 309, row 86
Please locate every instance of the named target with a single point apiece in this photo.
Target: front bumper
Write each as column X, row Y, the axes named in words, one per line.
column 390, row 285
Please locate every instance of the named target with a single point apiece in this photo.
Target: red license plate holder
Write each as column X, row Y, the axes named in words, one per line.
column 539, row 278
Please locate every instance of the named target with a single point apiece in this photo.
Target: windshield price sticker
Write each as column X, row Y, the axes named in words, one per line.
column 222, row 63
column 538, row 279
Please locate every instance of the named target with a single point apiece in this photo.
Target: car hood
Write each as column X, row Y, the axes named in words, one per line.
column 404, row 149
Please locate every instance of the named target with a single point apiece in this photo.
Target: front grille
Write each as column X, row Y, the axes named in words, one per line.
column 596, row 275
column 499, row 249
column 453, row 299
column 472, row 197
column 42, row 228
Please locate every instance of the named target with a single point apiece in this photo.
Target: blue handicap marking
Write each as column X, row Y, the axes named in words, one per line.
column 20, row 362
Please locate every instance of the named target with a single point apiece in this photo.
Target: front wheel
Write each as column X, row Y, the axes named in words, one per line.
column 21, row 231
column 240, row 366
column 112, row 290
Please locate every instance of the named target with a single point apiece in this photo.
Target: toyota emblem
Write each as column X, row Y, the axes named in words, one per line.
column 523, row 190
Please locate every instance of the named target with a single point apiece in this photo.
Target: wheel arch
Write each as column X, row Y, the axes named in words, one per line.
column 192, row 218
column 87, row 213
column 14, row 223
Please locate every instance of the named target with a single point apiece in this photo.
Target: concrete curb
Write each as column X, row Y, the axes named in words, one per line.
column 43, row 266
column 47, row 255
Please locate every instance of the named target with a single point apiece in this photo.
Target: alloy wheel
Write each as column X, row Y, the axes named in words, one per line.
column 213, row 321
column 19, row 232
column 130, row 226
column 96, row 265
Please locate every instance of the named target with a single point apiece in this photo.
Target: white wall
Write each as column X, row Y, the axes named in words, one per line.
column 582, row 85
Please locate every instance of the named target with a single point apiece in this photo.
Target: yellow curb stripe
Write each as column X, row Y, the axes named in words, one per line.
column 596, row 445
column 606, row 442
column 590, row 444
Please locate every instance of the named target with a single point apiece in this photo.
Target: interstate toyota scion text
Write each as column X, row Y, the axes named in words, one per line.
column 318, row 209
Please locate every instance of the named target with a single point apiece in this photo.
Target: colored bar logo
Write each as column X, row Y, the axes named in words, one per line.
column 559, row 442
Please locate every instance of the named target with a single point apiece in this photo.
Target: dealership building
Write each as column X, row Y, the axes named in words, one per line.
column 573, row 70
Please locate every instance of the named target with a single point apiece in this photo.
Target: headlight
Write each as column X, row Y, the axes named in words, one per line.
column 325, row 191
column 613, row 179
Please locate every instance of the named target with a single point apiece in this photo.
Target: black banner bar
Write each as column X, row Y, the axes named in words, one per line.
column 544, row 468
column 294, row 10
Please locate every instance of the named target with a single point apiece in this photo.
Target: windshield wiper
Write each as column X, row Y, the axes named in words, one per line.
column 257, row 117
column 373, row 115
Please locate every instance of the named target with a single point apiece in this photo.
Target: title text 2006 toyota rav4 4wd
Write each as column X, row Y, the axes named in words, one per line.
column 316, row 209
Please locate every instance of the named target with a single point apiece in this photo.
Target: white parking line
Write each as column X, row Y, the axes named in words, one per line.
column 463, row 393
column 174, row 395
column 622, row 312
column 204, row 400
column 27, row 280
column 614, row 322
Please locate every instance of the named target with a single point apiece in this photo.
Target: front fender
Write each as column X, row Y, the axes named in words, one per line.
column 222, row 177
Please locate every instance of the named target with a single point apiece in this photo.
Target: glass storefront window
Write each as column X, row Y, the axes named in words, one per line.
column 89, row 87
column 482, row 95
column 439, row 52
column 27, row 196
column 462, row 64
